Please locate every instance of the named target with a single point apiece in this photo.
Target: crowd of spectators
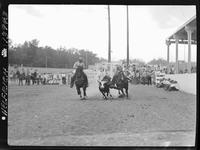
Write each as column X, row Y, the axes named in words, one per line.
column 30, row 76
column 138, row 74
column 144, row 74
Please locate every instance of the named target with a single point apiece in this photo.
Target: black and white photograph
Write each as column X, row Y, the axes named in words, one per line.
column 102, row 75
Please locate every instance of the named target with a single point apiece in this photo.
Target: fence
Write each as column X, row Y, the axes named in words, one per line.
column 187, row 82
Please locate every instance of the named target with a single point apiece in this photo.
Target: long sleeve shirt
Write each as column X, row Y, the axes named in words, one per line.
column 100, row 75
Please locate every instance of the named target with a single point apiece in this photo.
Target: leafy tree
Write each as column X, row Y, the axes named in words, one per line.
column 30, row 54
column 159, row 61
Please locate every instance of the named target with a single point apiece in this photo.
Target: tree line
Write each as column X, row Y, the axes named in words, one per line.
column 30, row 54
column 140, row 62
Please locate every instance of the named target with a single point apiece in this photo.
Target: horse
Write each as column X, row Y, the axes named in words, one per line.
column 121, row 82
column 81, row 81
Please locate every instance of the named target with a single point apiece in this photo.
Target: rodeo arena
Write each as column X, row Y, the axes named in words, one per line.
column 145, row 75
column 112, row 104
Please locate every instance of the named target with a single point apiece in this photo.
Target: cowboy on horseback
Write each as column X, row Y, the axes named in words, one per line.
column 120, row 82
column 78, row 64
column 119, row 71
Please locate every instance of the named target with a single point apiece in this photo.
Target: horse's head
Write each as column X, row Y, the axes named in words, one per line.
column 79, row 71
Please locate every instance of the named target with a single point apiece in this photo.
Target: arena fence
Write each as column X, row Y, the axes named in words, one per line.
column 187, row 82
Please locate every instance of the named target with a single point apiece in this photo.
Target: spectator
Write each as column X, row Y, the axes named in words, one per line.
column 186, row 71
column 149, row 77
column 64, row 79
column 28, row 76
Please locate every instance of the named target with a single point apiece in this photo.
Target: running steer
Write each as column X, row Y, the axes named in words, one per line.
column 104, row 87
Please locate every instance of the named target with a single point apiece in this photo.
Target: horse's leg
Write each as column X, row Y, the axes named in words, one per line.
column 78, row 91
column 119, row 92
column 126, row 92
column 84, row 91
column 123, row 94
column 86, row 81
column 109, row 94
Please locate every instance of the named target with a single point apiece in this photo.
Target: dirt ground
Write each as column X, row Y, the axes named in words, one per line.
column 54, row 115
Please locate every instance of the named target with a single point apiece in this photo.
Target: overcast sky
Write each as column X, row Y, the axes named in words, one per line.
column 86, row 27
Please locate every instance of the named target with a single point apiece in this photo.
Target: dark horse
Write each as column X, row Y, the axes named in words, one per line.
column 81, row 81
column 121, row 82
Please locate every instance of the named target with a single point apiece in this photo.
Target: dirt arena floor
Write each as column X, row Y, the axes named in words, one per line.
column 53, row 115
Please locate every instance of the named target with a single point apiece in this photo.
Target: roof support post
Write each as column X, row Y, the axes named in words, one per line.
column 168, row 44
column 176, row 41
column 189, row 31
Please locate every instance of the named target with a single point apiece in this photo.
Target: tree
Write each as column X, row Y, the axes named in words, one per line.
column 134, row 61
column 159, row 61
column 30, row 54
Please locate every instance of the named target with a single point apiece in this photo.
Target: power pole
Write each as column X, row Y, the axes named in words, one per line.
column 86, row 61
column 127, row 37
column 109, row 36
column 46, row 62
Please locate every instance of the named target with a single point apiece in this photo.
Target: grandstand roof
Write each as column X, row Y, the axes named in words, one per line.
column 181, row 32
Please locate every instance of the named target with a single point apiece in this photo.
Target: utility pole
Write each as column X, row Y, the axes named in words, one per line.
column 127, row 37
column 46, row 61
column 109, row 36
column 86, row 61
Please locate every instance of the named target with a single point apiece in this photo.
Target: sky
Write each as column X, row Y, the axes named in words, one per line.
column 86, row 27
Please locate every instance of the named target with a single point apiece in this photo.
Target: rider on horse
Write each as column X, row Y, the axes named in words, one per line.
column 119, row 71
column 120, row 75
column 77, row 64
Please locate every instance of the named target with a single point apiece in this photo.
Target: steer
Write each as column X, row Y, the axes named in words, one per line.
column 104, row 87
